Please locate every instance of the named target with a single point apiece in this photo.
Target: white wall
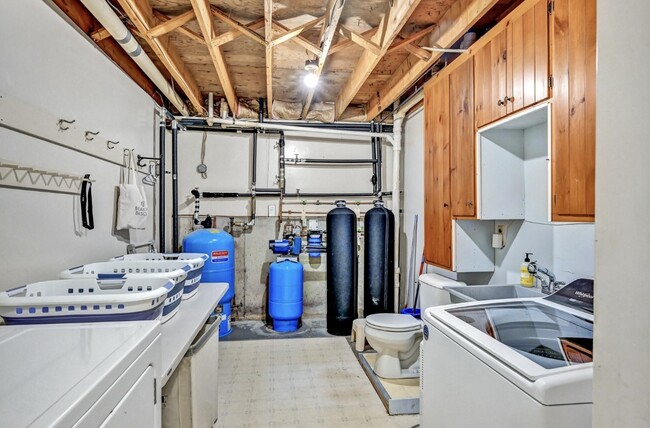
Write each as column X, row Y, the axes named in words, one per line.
column 48, row 65
column 621, row 338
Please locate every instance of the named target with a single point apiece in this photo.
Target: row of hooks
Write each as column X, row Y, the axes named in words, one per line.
column 89, row 135
column 14, row 174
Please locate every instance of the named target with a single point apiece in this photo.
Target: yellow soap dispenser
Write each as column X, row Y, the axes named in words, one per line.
column 525, row 278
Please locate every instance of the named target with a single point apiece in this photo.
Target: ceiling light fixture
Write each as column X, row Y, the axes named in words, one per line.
column 311, row 79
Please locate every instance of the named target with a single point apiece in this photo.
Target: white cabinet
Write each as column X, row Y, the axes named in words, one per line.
column 135, row 408
column 514, row 167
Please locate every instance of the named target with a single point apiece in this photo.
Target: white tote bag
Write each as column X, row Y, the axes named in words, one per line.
column 132, row 209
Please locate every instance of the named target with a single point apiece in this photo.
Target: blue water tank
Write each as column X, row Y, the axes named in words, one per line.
column 285, row 294
column 315, row 239
column 220, row 266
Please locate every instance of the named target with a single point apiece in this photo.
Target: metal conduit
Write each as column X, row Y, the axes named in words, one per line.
column 161, row 188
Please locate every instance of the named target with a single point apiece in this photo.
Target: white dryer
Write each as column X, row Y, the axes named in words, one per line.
column 80, row 375
column 509, row 363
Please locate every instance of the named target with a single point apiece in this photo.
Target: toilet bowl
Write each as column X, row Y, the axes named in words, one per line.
column 396, row 338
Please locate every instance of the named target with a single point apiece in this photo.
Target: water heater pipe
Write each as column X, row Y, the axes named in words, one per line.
column 112, row 23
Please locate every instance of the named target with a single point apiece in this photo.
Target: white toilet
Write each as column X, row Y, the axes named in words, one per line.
column 397, row 337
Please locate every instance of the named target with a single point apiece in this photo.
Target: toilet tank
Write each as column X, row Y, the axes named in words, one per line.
column 432, row 290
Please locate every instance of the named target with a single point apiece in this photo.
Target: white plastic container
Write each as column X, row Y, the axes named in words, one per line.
column 118, row 270
column 196, row 261
column 86, row 300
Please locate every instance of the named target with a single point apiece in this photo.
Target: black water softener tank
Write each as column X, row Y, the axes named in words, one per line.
column 341, row 270
column 378, row 260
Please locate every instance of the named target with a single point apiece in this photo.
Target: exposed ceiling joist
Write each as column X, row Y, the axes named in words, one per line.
column 238, row 26
column 389, row 27
column 299, row 40
column 231, row 35
column 460, row 17
column 418, row 52
column 204, row 18
column 360, row 40
column 268, row 34
column 288, row 35
column 171, row 24
column 344, row 44
column 142, row 16
column 332, row 16
column 99, row 35
column 410, row 39
column 184, row 31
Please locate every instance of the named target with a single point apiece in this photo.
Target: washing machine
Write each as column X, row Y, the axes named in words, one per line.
column 509, row 363
column 80, row 375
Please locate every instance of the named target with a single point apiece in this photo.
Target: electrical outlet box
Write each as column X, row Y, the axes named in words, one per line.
column 272, row 212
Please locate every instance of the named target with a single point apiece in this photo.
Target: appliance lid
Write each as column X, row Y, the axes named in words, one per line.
column 579, row 295
column 393, row 322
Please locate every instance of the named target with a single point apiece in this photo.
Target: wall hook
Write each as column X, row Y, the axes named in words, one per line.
column 88, row 135
column 62, row 121
column 142, row 158
column 110, row 144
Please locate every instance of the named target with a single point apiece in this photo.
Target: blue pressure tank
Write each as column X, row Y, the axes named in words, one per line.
column 285, row 294
column 220, row 266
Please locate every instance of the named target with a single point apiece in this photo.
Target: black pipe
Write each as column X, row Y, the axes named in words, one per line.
column 362, row 127
column 281, row 180
column 276, row 193
column 380, row 128
column 373, row 149
column 254, row 167
column 296, row 161
column 227, row 130
column 174, row 186
column 161, row 187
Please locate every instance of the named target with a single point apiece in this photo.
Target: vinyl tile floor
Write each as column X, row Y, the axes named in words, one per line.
column 310, row 382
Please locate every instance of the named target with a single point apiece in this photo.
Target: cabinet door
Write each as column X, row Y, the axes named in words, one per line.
column 574, row 110
column 462, row 141
column 527, row 40
column 490, row 65
column 437, row 209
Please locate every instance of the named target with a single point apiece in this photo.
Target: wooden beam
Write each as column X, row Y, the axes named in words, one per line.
column 142, row 16
column 332, row 16
column 389, row 27
column 188, row 33
column 360, row 40
column 268, row 34
column 299, row 40
column 99, row 35
column 171, row 24
column 206, row 23
column 418, row 52
column 231, row 35
column 288, row 35
column 343, row 44
column 238, row 26
column 410, row 39
column 454, row 23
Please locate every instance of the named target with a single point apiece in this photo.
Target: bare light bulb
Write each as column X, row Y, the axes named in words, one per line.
column 311, row 80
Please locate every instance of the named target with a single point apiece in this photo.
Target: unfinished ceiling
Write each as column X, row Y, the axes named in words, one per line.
column 367, row 53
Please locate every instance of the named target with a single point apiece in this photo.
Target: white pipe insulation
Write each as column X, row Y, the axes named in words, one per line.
column 112, row 23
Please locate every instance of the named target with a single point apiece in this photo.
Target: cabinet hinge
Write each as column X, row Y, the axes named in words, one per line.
column 155, row 392
column 550, row 82
column 551, row 7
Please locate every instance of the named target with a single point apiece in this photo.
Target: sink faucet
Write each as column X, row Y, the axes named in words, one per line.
column 549, row 286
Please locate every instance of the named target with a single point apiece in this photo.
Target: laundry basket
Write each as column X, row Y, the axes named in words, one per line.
column 196, row 260
column 176, row 271
column 86, row 300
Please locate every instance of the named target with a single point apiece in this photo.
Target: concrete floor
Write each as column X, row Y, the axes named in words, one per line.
column 257, row 330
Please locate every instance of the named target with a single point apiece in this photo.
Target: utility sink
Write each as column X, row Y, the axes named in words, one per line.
column 472, row 293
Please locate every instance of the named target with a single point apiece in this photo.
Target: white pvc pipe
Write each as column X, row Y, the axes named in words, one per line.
column 112, row 23
column 280, row 127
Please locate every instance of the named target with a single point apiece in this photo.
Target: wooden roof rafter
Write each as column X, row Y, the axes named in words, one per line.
column 344, row 44
column 172, row 24
column 142, row 16
column 184, row 31
column 295, row 32
column 299, row 39
column 231, row 35
column 460, row 17
column 413, row 38
column 237, row 25
column 330, row 25
column 389, row 27
column 360, row 40
column 204, row 16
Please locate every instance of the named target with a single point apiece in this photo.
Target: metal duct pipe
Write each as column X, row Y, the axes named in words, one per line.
column 174, row 186
column 161, row 188
column 112, row 23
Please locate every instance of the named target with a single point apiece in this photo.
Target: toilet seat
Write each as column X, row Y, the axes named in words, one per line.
column 398, row 323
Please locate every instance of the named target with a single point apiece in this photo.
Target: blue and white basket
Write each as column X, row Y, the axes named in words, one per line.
column 176, row 271
column 196, row 260
column 85, row 300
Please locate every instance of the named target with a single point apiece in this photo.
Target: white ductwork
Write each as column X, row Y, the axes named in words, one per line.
column 112, row 23
column 398, row 123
